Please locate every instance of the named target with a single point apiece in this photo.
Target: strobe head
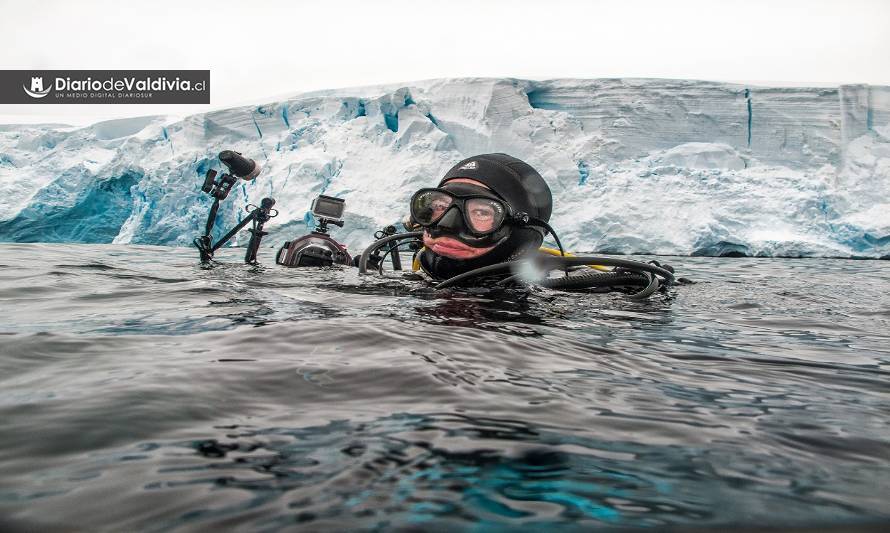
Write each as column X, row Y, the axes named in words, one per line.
column 238, row 165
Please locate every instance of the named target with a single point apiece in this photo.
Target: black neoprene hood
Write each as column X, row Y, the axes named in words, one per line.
column 512, row 179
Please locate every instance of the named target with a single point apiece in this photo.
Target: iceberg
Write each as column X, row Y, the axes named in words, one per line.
column 636, row 165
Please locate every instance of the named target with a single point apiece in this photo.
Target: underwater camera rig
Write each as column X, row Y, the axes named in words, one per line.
column 318, row 248
column 218, row 186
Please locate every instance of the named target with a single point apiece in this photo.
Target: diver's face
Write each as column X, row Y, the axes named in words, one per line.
column 453, row 248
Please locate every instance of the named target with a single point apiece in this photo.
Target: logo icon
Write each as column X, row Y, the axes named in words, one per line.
column 37, row 90
column 468, row 166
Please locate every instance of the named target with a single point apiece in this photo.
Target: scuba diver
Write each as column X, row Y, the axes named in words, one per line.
column 484, row 224
column 486, row 210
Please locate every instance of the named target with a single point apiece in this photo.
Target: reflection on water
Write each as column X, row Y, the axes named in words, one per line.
column 140, row 391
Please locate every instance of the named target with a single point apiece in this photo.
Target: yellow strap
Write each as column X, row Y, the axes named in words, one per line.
column 554, row 251
column 415, row 264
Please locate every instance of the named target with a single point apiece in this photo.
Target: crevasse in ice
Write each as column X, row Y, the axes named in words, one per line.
column 635, row 165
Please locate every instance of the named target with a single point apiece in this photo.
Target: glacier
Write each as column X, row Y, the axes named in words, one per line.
column 651, row 166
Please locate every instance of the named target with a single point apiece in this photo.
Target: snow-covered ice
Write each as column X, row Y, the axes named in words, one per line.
column 635, row 165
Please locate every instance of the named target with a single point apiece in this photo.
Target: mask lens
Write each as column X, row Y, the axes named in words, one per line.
column 484, row 215
column 428, row 206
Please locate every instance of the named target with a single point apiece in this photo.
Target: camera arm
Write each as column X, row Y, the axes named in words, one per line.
column 259, row 216
column 220, row 189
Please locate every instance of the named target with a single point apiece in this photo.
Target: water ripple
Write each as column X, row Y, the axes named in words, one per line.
column 141, row 391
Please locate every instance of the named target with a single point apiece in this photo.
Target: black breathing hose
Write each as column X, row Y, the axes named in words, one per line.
column 629, row 264
column 376, row 245
column 390, row 251
column 490, row 269
column 649, row 290
column 595, row 278
column 553, row 262
column 552, row 233
column 632, row 273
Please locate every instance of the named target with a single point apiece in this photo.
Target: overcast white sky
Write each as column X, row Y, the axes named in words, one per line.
column 259, row 48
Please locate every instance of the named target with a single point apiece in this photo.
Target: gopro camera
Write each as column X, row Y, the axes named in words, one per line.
column 328, row 207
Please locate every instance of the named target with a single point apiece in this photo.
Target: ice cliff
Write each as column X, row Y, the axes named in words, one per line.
column 635, row 165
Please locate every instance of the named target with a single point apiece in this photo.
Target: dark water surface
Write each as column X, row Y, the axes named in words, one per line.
column 139, row 391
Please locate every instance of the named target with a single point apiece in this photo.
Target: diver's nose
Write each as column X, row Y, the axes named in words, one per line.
column 451, row 220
